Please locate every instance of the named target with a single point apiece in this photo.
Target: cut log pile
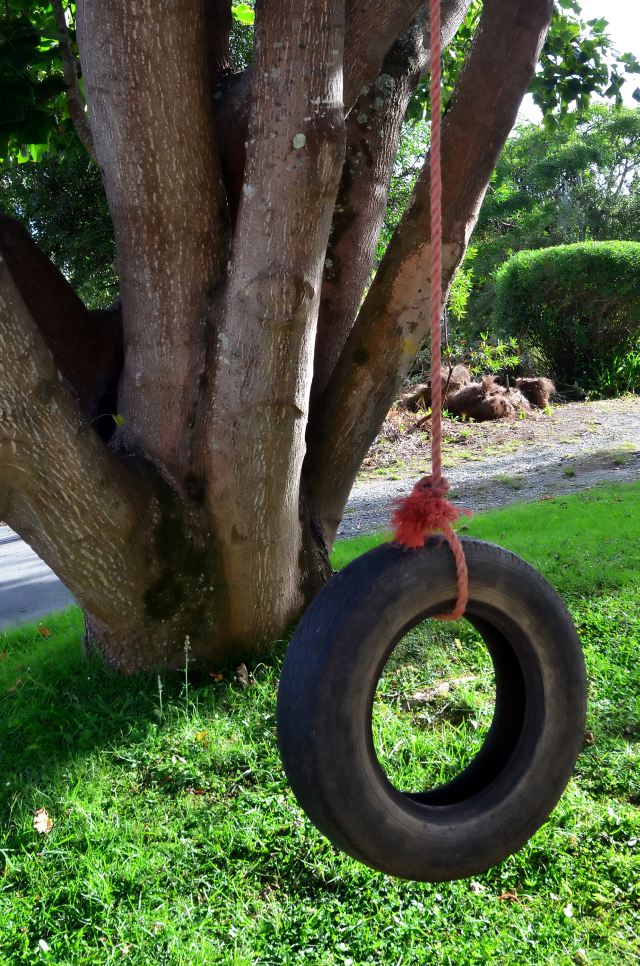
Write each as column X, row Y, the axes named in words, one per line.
column 482, row 400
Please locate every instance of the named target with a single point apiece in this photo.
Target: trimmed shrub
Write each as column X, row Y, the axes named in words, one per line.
column 577, row 309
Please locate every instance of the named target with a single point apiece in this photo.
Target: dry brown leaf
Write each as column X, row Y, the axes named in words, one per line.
column 508, row 897
column 42, row 823
column 44, row 631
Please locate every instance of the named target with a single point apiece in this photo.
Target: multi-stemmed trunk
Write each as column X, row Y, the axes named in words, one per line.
column 249, row 375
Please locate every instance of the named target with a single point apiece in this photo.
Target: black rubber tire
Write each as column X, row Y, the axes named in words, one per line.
column 326, row 695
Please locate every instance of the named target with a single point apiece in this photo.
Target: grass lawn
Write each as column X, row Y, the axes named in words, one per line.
column 176, row 840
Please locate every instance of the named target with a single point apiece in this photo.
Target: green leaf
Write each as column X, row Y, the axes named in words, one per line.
column 243, row 13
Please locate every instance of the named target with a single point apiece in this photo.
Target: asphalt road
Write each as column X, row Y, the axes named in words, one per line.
column 28, row 589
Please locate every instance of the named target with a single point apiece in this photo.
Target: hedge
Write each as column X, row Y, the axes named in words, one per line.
column 577, row 309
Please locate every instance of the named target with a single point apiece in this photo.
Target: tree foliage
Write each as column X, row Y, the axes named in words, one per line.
column 33, row 107
column 577, row 183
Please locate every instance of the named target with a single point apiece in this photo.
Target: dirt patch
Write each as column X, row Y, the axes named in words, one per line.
column 569, row 447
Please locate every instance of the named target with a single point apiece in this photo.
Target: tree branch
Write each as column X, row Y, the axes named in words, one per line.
column 219, row 23
column 150, row 97
column 373, row 132
column 75, row 100
column 393, row 320
column 63, row 490
column 374, row 26
column 371, row 29
column 87, row 347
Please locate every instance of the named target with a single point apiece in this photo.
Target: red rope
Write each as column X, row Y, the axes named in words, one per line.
column 426, row 510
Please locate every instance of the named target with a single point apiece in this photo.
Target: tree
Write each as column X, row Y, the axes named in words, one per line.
column 246, row 208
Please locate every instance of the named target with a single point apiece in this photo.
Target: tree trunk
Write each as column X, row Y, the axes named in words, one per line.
column 203, row 525
column 261, row 366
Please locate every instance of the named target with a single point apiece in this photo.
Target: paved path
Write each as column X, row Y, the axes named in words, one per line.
column 28, row 589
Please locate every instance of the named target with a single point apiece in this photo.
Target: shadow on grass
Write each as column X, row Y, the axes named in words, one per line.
column 56, row 705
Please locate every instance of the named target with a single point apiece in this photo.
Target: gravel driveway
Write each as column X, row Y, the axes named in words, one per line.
column 576, row 446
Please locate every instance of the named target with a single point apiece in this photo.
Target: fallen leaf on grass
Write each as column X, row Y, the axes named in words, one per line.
column 509, row 897
column 42, row 823
column 44, row 631
column 202, row 736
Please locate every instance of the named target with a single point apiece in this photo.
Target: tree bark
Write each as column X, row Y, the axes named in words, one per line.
column 147, row 76
column 392, row 322
column 261, row 369
column 364, row 52
column 219, row 23
column 142, row 564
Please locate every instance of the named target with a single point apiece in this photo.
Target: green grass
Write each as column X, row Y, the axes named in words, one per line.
column 177, row 841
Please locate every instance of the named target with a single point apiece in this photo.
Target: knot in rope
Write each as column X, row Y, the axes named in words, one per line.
column 425, row 511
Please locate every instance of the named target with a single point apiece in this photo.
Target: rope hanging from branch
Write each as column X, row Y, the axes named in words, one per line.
column 426, row 510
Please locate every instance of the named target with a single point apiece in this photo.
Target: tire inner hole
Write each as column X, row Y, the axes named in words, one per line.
column 448, row 710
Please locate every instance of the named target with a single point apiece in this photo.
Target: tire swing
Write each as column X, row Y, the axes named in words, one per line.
column 338, row 653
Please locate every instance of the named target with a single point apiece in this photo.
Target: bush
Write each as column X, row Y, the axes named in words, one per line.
column 577, row 309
